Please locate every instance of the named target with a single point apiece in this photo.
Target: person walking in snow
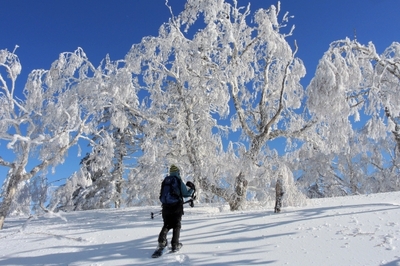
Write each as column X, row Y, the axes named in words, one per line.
column 173, row 190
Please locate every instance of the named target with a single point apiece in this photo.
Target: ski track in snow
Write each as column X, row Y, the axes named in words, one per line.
column 357, row 230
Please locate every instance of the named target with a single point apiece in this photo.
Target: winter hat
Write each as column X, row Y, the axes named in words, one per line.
column 173, row 169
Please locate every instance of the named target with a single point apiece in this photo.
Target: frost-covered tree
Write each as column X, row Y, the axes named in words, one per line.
column 259, row 69
column 232, row 57
column 356, row 85
column 106, row 186
column 364, row 166
column 324, row 174
column 113, row 145
column 127, row 145
column 352, row 80
column 58, row 108
column 183, row 96
column 214, row 71
column 100, row 192
column 66, row 196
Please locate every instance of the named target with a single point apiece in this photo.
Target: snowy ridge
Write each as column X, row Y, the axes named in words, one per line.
column 356, row 230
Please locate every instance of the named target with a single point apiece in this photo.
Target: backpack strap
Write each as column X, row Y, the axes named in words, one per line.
column 179, row 181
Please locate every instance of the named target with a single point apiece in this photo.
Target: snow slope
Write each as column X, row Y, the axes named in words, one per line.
column 358, row 230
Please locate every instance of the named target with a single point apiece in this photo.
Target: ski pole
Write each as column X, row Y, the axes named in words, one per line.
column 155, row 214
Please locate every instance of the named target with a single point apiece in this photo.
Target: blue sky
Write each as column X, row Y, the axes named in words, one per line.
column 44, row 29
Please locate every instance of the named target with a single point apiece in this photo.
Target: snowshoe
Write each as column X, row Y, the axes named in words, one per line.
column 158, row 252
column 176, row 248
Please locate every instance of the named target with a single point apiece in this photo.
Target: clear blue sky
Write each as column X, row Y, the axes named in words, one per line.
column 44, row 29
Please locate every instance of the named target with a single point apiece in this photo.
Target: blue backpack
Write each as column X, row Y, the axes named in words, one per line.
column 170, row 193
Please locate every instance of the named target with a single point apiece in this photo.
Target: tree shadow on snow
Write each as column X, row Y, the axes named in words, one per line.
column 392, row 263
column 231, row 231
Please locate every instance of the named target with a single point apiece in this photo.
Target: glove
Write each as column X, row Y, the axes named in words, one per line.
column 191, row 185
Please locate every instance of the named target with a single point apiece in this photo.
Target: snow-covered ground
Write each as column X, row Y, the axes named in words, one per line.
column 359, row 230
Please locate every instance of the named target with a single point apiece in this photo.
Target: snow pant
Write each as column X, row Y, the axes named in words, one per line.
column 172, row 216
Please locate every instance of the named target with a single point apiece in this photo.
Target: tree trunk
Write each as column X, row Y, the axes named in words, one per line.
column 278, row 195
column 120, row 152
column 239, row 196
column 10, row 192
column 117, row 178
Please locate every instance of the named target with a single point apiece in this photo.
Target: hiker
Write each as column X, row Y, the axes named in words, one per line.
column 172, row 209
column 278, row 194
